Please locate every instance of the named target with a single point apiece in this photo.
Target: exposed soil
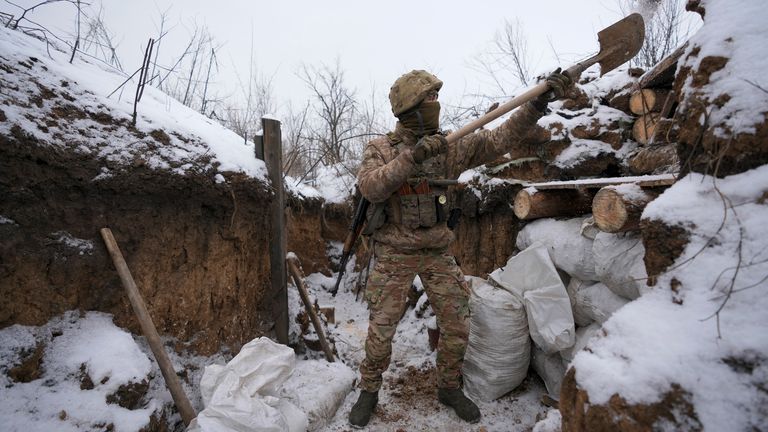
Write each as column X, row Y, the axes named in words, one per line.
column 673, row 412
column 706, row 147
column 196, row 248
column 487, row 231
column 663, row 245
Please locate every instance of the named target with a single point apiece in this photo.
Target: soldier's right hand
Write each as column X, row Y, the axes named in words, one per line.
column 428, row 147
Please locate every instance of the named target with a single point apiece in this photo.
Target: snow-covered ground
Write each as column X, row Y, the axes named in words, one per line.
column 88, row 348
column 78, row 105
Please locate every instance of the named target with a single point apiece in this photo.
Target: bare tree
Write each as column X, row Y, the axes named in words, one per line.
column 665, row 28
column 297, row 154
column 99, row 41
column 507, row 63
column 335, row 108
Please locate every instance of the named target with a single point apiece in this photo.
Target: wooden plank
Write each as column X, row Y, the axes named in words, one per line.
column 148, row 329
column 273, row 157
column 642, row 181
column 293, row 266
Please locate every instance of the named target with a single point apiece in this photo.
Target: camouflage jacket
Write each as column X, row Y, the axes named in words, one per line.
column 388, row 163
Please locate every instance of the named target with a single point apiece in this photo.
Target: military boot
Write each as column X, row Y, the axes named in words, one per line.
column 464, row 408
column 361, row 412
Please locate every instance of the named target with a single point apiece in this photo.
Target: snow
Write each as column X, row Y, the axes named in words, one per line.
column 110, row 358
column 673, row 334
column 83, row 246
column 732, row 30
column 604, row 180
column 6, row 220
column 84, row 86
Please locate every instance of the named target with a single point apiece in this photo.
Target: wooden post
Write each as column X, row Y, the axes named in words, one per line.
column 293, row 267
column 148, row 329
column 273, row 157
column 618, row 208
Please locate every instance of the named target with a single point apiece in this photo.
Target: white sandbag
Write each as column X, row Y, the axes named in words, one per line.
column 580, row 316
column 597, row 303
column 242, row 395
column 319, row 388
column 619, row 263
column 551, row 369
column 570, row 250
column 531, row 275
column 583, row 335
column 499, row 348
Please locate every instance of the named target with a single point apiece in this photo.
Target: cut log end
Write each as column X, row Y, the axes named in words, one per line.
column 647, row 100
column 523, row 204
column 618, row 209
column 609, row 211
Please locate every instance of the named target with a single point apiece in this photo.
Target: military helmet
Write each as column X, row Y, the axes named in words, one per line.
column 411, row 89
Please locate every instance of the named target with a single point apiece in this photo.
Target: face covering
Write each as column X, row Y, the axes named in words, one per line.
column 423, row 121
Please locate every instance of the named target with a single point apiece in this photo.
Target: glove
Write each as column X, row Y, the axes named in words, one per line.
column 429, row 147
column 559, row 83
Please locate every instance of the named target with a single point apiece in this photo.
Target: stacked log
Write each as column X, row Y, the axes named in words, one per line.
column 618, row 208
column 531, row 203
column 616, row 203
column 654, row 102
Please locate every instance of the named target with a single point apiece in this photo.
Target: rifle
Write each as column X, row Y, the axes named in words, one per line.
column 358, row 221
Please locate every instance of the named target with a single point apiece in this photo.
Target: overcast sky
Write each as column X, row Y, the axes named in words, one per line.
column 375, row 42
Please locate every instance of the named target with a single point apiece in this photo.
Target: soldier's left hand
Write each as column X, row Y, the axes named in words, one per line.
column 559, row 83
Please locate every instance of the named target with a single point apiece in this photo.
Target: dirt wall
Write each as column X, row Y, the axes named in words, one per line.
column 197, row 249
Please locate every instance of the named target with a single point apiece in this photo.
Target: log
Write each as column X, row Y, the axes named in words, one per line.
column 293, row 267
column 654, row 159
column 644, row 127
column 663, row 74
column 531, row 203
column 149, row 330
column 645, row 101
column 618, row 208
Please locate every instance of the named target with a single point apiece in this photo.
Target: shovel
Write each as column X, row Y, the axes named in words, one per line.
column 618, row 43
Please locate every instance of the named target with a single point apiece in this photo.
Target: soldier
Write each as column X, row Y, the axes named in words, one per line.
column 409, row 220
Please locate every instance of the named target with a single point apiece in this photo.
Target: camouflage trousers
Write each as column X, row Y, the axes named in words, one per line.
column 387, row 296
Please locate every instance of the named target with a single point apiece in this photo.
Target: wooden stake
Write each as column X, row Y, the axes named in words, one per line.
column 533, row 204
column 293, row 267
column 618, row 208
column 273, row 157
column 148, row 329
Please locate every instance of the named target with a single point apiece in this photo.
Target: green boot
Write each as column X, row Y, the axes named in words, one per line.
column 465, row 408
column 361, row 412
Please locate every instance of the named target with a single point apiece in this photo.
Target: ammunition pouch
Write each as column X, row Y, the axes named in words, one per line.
column 421, row 206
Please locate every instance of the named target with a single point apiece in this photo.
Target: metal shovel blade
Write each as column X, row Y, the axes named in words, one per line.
column 620, row 42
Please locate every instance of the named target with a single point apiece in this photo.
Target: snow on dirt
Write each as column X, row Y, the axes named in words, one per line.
column 86, row 358
column 733, row 31
column 71, row 106
column 705, row 321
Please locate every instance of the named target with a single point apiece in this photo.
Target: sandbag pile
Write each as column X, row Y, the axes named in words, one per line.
column 601, row 272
